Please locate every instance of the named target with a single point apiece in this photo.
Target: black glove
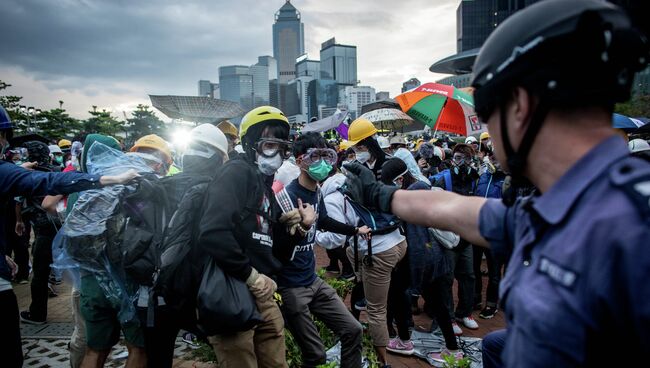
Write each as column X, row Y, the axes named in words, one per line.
column 362, row 187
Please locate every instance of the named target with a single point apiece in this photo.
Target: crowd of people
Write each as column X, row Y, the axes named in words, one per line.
column 219, row 239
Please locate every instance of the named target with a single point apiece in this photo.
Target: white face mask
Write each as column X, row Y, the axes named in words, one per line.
column 363, row 157
column 269, row 165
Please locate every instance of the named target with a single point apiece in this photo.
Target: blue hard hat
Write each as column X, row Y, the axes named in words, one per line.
column 5, row 121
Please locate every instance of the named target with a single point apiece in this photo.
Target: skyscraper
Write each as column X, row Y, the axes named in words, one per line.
column 410, row 84
column 307, row 68
column 236, row 85
column 476, row 19
column 288, row 41
column 338, row 62
column 272, row 65
column 205, row 88
column 356, row 97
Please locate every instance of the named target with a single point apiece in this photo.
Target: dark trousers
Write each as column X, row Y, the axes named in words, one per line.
column 159, row 340
column 10, row 344
column 337, row 255
column 320, row 300
column 493, row 344
column 41, row 261
column 494, row 277
column 463, row 271
column 18, row 248
column 432, row 293
column 399, row 308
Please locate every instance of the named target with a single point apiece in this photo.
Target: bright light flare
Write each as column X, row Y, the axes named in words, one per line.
column 181, row 138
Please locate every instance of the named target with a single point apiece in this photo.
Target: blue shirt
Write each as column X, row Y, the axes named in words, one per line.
column 300, row 268
column 577, row 288
column 16, row 181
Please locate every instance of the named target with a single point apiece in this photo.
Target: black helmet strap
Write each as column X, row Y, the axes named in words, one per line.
column 517, row 160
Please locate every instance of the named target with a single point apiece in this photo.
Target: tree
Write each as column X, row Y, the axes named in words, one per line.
column 143, row 121
column 11, row 104
column 102, row 122
column 638, row 106
column 57, row 124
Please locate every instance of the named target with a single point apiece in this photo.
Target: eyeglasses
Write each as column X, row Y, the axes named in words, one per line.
column 269, row 147
column 314, row 155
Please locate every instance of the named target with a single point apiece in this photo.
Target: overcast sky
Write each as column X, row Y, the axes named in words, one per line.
column 114, row 53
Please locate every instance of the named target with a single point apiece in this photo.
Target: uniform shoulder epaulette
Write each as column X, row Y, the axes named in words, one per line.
column 633, row 176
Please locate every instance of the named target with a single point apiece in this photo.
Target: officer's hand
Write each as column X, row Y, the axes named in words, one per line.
column 20, row 228
column 29, row 165
column 362, row 187
column 119, row 179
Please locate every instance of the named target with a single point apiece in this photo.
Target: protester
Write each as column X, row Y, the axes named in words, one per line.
column 366, row 148
column 576, row 281
column 303, row 293
column 232, row 134
column 155, row 151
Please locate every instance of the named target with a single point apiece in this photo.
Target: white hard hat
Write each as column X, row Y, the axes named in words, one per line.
column 437, row 151
column 211, row 136
column 638, row 145
column 471, row 139
column 383, row 142
column 55, row 149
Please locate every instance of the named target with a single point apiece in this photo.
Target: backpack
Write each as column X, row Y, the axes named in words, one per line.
column 379, row 222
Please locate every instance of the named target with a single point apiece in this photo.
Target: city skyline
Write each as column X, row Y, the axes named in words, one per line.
column 95, row 70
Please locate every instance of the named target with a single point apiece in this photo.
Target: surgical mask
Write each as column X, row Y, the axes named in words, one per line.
column 319, row 170
column 58, row 159
column 269, row 165
column 363, row 157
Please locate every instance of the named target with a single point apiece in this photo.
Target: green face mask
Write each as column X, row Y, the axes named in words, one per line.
column 319, row 170
column 58, row 159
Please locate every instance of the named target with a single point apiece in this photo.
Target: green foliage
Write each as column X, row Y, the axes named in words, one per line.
column 637, row 106
column 143, row 122
column 57, row 124
column 102, row 122
column 452, row 362
column 204, row 353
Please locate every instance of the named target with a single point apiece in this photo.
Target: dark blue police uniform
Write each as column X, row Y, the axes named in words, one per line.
column 577, row 288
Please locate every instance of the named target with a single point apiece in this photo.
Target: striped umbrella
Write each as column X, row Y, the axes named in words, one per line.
column 442, row 107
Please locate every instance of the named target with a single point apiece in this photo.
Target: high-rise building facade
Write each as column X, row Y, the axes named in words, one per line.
column 476, row 19
column 272, row 64
column 307, row 68
column 236, row 85
column 382, row 95
column 355, row 97
column 338, row 62
column 410, row 84
column 288, row 41
column 205, row 88
column 261, row 90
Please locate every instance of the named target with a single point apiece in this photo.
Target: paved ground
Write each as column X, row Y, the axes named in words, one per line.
column 46, row 346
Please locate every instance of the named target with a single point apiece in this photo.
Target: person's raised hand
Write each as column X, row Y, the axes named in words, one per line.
column 362, row 186
column 307, row 214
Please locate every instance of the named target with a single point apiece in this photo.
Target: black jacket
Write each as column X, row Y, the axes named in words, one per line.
column 239, row 221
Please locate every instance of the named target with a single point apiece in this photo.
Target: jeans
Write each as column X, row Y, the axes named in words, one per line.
column 494, row 277
column 463, row 271
column 42, row 259
column 321, row 301
column 432, row 293
column 10, row 343
column 493, row 344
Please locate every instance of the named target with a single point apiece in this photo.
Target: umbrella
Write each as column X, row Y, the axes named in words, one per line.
column 626, row 123
column 442, row 107
column 331, row 122
column 388, row 119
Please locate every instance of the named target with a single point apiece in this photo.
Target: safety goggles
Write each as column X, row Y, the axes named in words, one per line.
column 314, row 155
column 459, row 159
column 269, row 147
column 399, row 180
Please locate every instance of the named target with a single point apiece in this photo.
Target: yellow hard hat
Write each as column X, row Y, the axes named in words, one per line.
column 155, row 142
column 344, row 145
column 484, row 135
column 64, row 143
column 228, row 128
column 360, row 129
column 260, row 115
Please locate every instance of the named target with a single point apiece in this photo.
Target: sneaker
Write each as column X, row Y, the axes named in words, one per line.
column 361, row 305
column 333, row 268
column 398, row 346
column 191, row 340
column 470, row 323
column 51, row 292
column 488, row 312
column 26, row 317
column 438, row 359
column 347, row 276
column 457, row 330
column 54, row 281
column 23, row 282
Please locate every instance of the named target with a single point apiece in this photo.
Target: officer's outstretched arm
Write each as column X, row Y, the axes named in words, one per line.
column 442, row 210
column 439, row 209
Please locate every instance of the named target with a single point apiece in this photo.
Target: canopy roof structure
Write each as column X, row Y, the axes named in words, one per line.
column 456, row 64
column 197, row 109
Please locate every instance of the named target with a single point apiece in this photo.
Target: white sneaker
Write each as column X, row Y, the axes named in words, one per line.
column 457, row 329
column 470, row 323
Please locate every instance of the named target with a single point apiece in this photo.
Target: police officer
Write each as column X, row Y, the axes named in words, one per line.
column 576, row 292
